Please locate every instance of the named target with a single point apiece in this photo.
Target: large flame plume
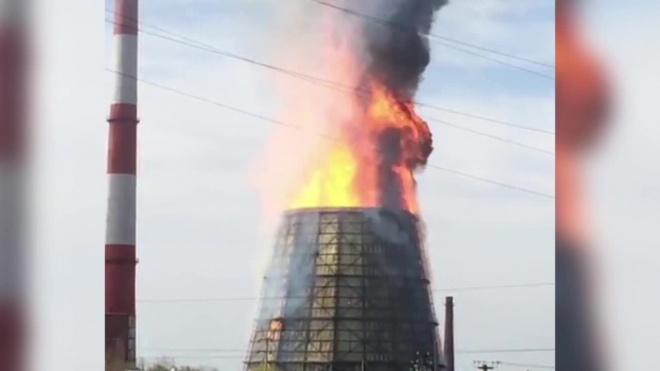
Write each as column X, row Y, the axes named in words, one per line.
column 371, row 159
column 373, row 140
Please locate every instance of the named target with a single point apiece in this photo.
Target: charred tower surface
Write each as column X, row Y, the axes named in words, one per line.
column 120, row 249
column 347, row 289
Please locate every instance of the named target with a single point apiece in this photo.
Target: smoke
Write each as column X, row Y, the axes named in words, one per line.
column 395, row 41
column 386, row 225
column 377, row 46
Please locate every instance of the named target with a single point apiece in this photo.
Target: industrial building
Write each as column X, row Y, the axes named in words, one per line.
column 347, row 289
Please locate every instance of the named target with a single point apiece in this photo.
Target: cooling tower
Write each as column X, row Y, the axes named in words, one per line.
column 347, row 289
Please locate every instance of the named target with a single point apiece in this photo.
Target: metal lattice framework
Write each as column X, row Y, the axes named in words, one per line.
column 347, row 289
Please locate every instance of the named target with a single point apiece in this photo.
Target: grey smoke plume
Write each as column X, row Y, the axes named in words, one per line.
column 395, row 39
column 392, row 38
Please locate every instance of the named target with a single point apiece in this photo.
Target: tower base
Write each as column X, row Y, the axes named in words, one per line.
column 347, row 290
column 119, row 342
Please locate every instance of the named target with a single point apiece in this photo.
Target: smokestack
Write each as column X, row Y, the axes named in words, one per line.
column 449, row 333
column 120, row 249
column 13, row 131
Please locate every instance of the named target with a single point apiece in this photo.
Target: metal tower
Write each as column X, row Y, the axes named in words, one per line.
column 347, row 289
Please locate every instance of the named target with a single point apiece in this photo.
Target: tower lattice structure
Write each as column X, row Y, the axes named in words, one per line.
column 347, row 289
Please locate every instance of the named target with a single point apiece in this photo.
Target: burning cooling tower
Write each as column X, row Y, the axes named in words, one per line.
column 347, row 289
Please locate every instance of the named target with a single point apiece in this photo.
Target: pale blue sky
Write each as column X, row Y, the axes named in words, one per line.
column 198, row 211
column 199, row 215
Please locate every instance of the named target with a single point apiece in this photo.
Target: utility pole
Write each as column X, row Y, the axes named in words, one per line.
column 485, row 366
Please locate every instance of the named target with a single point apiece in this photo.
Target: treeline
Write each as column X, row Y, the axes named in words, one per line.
column 168, row 364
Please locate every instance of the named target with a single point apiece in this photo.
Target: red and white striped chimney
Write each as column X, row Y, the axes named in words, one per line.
column 13, row 171
column 120, row 246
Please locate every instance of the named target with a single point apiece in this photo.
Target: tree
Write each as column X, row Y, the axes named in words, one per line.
column 266, row 367
column 162, row 364
column 168, row 364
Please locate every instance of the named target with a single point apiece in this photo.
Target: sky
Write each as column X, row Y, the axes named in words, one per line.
column 202, row 232
column 623, row 185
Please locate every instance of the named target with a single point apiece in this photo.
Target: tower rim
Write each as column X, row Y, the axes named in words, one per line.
column 348, row 209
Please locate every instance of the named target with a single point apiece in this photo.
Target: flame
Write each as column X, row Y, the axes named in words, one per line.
column 348, row 172
column 331, row 184
column 372, row 140
column 274, row 330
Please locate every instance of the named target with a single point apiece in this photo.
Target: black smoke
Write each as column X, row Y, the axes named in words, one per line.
column 395, row 41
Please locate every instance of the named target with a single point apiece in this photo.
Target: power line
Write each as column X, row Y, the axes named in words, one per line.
column 498, row 61
column 445, row 38
column 236, row 299
column 312, row 79
column 528, row 350
column 527, row 365
column 482, row 118
column 186, row 41
column 404, row 28
column 496, row 287
column 203, row 357
column 494, row 51
column 264, row 118
column 505, row 185
column 505, row 140
column 460, row 351
column 240, row 354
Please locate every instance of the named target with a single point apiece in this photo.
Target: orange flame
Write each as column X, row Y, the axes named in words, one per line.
column 372, row 142
column 348, row 173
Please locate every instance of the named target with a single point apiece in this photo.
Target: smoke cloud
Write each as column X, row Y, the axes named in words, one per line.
column 395, row 39
column 379, row 47
column 392, row 37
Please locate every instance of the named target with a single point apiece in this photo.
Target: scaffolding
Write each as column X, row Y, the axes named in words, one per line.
column 347, row 289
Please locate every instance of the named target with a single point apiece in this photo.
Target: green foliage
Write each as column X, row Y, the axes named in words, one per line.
column 168, row 364
column 265, row 367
